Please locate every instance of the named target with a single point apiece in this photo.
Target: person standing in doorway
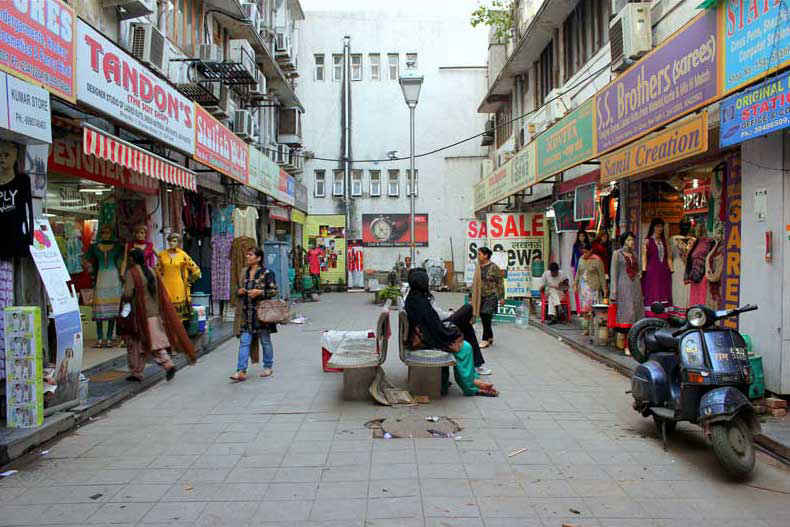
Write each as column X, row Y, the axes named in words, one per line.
column 488, row 292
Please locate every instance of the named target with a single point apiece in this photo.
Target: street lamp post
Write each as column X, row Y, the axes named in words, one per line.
column 410, row 84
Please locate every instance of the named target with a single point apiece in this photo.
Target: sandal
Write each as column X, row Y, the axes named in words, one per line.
column 488, row 393
column 484, row 344
column 267, row 372
column 239, row 376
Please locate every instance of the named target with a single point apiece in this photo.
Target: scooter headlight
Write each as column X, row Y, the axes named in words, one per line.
column 696, row 317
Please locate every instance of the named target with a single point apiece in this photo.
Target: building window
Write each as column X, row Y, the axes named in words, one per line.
column 584, row 32
column 416, row 182
column 504, row 124
column 375, row 182
column 375, row 66
column 356, row 67
column 356, row 183
column 337, row 67
column 411, row 61
column 393, row 59
column 544, row 78
column 320, row 183
column 337, row 187
column 394, row 183
column 319, row 67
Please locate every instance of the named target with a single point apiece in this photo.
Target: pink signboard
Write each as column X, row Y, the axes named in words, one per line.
column 219, row 148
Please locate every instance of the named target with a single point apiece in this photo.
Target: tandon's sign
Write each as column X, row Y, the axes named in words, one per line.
column 112, row 81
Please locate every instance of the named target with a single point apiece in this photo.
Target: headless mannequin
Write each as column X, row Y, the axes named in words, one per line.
column 105, row 247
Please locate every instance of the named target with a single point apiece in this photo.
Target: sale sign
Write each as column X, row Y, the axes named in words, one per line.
column 37, row 43
column 475, row 238
column 521, row 237
column 219, row 148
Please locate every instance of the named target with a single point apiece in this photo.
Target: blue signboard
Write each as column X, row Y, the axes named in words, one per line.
column 756, row 111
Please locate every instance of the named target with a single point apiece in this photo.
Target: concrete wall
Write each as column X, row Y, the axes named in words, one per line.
column 451, row 56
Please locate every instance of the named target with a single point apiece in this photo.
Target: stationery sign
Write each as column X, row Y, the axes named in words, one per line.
column 674, row 79
column 755, row 111
column 219, row 148
column 112, row 81
column 37, row 43
column 584, row 202
column 521, row 238
column 568, row 143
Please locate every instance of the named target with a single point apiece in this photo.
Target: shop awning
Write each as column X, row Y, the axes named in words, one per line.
column 107, row 146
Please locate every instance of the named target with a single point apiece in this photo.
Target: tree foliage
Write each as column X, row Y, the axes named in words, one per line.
column 497, row 14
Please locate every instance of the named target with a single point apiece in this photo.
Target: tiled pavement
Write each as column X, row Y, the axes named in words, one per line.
column 286, row 451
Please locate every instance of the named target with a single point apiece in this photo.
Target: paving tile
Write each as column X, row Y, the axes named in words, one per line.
column 120, row 513
column 159, row 475
column 226, row 513
column 445, row 488
column 174, row 513
column 508, row 507
column 393, row 488
column 69, row 513
column 450, row 507
column 283, row 511
column 400, row 507
column 342, row 489
column 441, row 471
column 141, row 492
column 22, row 514
column 291, row 491
column 212, row 475
column 615, row 507
column 346, row 473
column 298, row 474
column 350, row 509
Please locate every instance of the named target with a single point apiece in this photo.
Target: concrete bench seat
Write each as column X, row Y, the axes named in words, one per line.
column 425, row 365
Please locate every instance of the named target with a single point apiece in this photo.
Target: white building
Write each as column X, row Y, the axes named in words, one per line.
column 451, row 56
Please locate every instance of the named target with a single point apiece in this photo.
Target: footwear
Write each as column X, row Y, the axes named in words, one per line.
column 484, row 344
column 99, row 344
column 239, row 376
column 267, row 372
column 170, row 373
column 133, row 378
column 482, row 370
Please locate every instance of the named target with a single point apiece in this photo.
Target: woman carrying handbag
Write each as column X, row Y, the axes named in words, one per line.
column 257, row 284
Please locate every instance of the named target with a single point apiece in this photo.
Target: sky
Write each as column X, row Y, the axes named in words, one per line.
column 427, row 7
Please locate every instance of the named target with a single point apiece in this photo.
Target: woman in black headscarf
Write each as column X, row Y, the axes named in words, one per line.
column 453, row 334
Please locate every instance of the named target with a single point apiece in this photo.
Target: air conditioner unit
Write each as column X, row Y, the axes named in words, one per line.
column 181, row 72
column 241, row 52
column 129, row 9
column 147, row 45
column 225, row 107
column 259, row 88
column 251, row 12
column 283, row 41
column 210, row 53
column 242, row 123
column 630, row 34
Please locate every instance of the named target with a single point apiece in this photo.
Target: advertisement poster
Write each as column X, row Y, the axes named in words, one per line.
column 24, row 386
column 285, row 188
column 38, row 43
column 563, row 216
column 731, row 274
column 584, row 202
column 219, row 148
column 69, row 357
column 112, row 81
column 756, row 40
column 25, row 111
column 329, row 231
column 521, row 238
column 52, row 268
column 755, row 111
column 567, row 143
column 672, row 80
column 392, row 230
column 476, row 237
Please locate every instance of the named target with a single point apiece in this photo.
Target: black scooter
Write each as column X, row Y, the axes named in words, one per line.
column 693, row 371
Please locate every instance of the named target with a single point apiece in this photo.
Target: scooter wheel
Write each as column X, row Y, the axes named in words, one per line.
column 670, row 425
column 732, row 444
column 636, row 337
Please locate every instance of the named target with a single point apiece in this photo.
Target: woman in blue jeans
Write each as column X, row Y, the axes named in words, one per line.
column 257, row 284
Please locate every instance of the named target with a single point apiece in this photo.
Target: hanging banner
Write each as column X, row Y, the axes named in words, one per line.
column 219, row 148
column 674, row 79
column 52, row 269
column 69, row 357
column 584, row 202
column 475, row 238
column 328, row 231
column 112, row 81
column 563, row 216
column 37, row 43
column 568, row 143
column 521, row 238
column 392, row 230
column 755, row 111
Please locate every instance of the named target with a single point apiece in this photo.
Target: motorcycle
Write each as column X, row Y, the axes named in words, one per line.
column 692, row 370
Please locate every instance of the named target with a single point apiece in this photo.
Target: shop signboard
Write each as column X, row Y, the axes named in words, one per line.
column 687, row 139
column 674, row 79
column 285, row 188
column 584, row 202
column 521, row 236
column 297, row 216
column 568, row 143
column 300, row 196
column 24, row 357
column 731, row 274
column 756, row 40
column 38, row 43
column 25, row 110
column 563, row 216
column 112, row 81
column 219, row 148
column 480, row 197
column 67, row 158
column 271, row 176
column 328, row 230
column 279, row 213
column 755, row 111
column 475, row 238
column 392, row 230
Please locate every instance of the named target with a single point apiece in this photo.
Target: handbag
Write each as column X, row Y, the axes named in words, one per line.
column 273, row 311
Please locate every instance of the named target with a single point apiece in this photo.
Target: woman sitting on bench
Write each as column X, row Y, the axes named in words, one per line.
column 427, row 330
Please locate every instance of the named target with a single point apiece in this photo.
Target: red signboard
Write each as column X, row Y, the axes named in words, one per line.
column 392, row 230
column 38, row 43
column 219, row 148
column 66, row 157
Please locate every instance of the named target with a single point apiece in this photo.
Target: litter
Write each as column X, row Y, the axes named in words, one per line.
column 387, row 435
column 574, row 511
column 432, row 418
column 44, row 452
column 8, row 473
column 517, row 452
column 188, row 487
column 298, row 319
column 96, row 496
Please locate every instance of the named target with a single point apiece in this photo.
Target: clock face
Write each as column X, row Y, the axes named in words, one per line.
column 381, row 229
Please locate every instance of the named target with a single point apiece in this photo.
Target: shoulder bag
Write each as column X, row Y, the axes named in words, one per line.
column 274, row 311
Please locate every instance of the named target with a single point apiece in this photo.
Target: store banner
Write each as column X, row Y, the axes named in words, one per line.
column 256, row 178
column 584, row 202
column 755, row 111
column 25, row 110
column 480, row 198
column 687, row 139
column 392, row 230
column 285, row 188
column 219, row 148
column 476, row 237
column 563, row 216
column 520, row 238
column 52, row 269
column 112, row 81
column 279, row 213
column 300, row 196
column 756, row 40
column 37, row 43
column 674, row 79
column 68, row 330
column 329, row 231
column 67, row 158
column 568, row 143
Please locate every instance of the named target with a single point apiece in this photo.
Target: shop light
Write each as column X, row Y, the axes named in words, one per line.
column 695, row 183
column 550, row 212
column 48, row 215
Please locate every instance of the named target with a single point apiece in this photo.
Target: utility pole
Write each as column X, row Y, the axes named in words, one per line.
column 347, row 137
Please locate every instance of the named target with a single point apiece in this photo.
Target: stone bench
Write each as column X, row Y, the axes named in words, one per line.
column 425, row 365
column 360, row 358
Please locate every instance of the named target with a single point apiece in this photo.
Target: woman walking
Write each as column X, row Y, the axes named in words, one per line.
column 256, row 284
column 590, row 282
column 488, row 292
column 152, row 327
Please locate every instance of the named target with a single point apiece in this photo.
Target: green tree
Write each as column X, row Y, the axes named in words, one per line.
column 497, row 14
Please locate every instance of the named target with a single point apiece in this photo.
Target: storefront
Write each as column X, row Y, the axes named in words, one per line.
column 328, row 232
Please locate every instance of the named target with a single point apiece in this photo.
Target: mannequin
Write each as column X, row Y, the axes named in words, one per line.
column 106, row 255
column 140, row 234
column 681, row 245
column 696, row 269
column 16, row 204
column 656, row 265
column 178, row 272
column 626, row 287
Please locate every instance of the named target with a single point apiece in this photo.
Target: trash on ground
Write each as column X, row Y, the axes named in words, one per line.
column 432, row 418
column 387, row 435
column 44, row 452
column 188, row 487
column 383, row 392
column 298, row 319
column 96, row 496
column 574, row 511
column 8, row 473
column 517, row 452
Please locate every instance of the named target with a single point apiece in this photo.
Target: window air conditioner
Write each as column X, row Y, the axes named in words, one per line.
column 129, row 9
column 147, row 45
column 242, row 123
column 210, row 53
column 241, row 52
column 259, row 88
column 251, row 12
column 282, row 41
column 225, row 105
column 630, row 34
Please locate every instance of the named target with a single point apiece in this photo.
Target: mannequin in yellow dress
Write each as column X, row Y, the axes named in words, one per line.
column 178, row 272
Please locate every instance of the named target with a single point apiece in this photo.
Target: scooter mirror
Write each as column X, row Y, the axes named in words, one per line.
column 657, row 308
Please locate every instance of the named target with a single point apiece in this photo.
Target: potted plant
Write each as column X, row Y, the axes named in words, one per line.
column 390, row 293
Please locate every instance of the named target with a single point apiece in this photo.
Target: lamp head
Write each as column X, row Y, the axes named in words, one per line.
column 410, row 84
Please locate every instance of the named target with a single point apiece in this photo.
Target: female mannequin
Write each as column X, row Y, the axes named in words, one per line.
column 656, row 265
column 178, row 273
column 140, row 234
column 681, row 245
column 105, row 256
column 16, row 204
column 626, row 288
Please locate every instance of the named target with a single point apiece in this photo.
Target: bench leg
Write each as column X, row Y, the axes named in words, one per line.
column 425, row 381
column 356, row 382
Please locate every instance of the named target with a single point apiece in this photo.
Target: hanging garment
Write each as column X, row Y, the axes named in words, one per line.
column 106, row 259
column 178, row 273
column 590, row 282
column 16, row 217
column 131, row 213
column 148, row 252
column 222, row 220
column 245, row 223
column 107, row 214
column 73, row 253
column 220, row 270
column 681, row 245
column 657, row 280
column 626, row 287
column 199, row 249
column 238, row 261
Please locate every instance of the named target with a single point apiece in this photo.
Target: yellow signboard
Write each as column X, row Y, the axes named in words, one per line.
column 678, row 142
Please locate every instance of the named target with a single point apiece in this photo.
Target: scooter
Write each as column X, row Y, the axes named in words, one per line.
column 692, row 370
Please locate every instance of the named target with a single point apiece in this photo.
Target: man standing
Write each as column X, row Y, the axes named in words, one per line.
column 314, row 261
column 488, row 292
column 404, row 271
column 555, row 285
